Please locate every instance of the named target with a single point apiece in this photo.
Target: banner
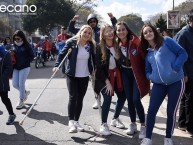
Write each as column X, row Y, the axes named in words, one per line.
column 173, row 19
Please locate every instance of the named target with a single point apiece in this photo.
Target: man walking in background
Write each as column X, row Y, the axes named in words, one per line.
column 184, row 38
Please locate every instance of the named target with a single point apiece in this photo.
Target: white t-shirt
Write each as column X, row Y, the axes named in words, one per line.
column 112, row 63
column 124, row 52
column 82, row 62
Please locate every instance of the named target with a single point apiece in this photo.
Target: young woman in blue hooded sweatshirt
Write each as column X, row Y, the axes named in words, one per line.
column 164, row 67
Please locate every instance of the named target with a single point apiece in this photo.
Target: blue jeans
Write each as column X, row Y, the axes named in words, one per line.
column 107, row 103
column 159, row 91
column 132, row 95
column 18, row 80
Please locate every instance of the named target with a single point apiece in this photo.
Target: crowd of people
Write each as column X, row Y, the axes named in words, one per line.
column 120, row 63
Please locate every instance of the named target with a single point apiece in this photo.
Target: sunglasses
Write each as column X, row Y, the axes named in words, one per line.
column 17, row 39
column 109, row 32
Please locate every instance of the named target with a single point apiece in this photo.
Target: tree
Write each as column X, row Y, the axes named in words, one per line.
column 5, row 29
column 161, row 23
column 84, row 3
column 49, row 14
column 134, row 22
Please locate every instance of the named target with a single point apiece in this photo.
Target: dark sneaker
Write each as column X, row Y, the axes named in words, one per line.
column 182, row 128
column 11, row 119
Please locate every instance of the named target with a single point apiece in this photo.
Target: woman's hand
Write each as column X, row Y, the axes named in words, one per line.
column 75, row 18
column 186, row 79
column 109, row 89
column 110, row 15
column 55, row 69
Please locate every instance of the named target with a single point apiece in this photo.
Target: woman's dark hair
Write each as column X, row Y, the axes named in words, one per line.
column 5, row 41
column 130, row 33
column 20, row 34
column 190, row 16
column 144, row 44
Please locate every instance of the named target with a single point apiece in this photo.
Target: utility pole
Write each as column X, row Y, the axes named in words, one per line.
column 173, row 4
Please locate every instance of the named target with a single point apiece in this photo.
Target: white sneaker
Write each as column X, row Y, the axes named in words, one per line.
column 95, row 106
column 26, row 95
column 104, row 129
column 131, row 129
column 146, row 141
column 117, row 123
column 78, row 126
column 20, row 104
column 72, row 127
column 168, row 141
column 142, row 132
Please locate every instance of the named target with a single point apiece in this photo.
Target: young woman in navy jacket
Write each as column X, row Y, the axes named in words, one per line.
column 77, row 67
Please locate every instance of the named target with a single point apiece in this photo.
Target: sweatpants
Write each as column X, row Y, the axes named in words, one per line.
column 159, row 91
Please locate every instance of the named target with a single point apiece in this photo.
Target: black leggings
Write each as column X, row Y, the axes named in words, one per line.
column 77, row 88
column 7, row 102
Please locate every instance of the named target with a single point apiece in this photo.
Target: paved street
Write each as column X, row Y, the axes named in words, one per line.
column 47, row 123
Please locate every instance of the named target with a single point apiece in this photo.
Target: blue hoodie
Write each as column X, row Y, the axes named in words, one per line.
column 165, row 65
column 3, row 50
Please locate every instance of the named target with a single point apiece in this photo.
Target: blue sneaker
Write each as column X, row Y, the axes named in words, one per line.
column 11, row 119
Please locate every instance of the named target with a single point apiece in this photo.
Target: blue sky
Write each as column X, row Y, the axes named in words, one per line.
column 145, row 8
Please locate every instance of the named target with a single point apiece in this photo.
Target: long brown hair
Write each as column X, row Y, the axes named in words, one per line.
column 129, row 34
column 103, row 43
column 144, row 44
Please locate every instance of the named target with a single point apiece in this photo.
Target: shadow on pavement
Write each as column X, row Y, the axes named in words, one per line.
column 21, row 138
column 114, row 139
column 120, row 139
column 177, row 140
column 46, row 116
column 1, row 112
column 44, row 72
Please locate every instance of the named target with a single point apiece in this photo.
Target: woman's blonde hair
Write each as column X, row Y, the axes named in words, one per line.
column 78, row 35
column 103, row 43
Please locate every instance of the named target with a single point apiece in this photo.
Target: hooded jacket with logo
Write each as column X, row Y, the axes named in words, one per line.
column 5, row 69
column 165, row 65
column 137, row 60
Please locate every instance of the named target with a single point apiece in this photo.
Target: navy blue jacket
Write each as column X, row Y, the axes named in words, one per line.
column 69, row 65
column 5, row 69
column 23, row 57
column 185, row 38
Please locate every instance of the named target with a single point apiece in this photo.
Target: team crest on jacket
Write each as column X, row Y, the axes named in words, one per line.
column 87, row 47
column 134, row 51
